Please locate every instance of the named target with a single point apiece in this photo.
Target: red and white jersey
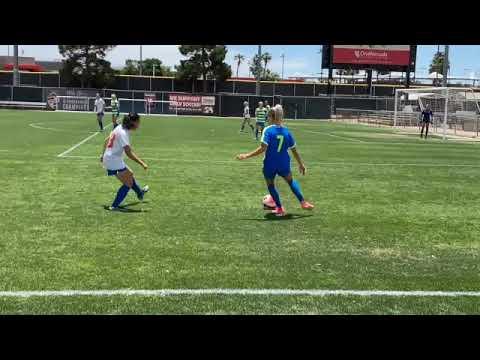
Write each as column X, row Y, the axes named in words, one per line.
column 113, row 156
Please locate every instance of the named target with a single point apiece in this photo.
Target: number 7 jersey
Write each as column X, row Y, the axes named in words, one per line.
column 278, row 140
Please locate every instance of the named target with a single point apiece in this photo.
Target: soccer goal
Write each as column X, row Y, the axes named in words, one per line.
column 455, row 110
column 146, row 106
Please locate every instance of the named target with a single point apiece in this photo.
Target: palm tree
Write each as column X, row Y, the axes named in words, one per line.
column 238, row 58
column 266, row 57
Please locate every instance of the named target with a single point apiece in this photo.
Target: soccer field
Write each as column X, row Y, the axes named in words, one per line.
column 393, row 213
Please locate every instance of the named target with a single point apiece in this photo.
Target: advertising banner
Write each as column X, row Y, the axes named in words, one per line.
column 397, row 55
column 191, row 104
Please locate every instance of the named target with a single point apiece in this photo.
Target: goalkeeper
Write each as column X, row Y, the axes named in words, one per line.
column 426, row 119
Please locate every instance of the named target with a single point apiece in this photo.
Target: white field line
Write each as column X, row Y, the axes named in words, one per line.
column 337, row 136
column 81, row 142
column 310, row 162
column 38, row 125
column 258, row 292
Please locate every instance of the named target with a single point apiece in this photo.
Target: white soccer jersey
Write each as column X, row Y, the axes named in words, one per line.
column 246, row 111
column 99, row 106
column 113, row 156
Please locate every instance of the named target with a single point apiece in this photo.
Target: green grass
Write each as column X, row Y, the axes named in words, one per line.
column 385, row 227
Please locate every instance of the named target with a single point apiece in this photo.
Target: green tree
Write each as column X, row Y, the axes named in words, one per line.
column 238, row 58
column 132, row 67
column 256, row 67
column 86, row 65
column 437, row 63
column 205, row 61
column 266, row 57
column 270, row 76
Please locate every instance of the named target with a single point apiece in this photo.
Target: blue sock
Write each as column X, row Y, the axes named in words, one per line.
column 121, row 195
column 295, row 187
column 275, row 195
column 256, row 134
column 136, row 188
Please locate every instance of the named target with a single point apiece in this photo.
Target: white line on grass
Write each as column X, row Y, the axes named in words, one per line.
column 338, row 136
column 310, row 162
column 80, row 143
column 263, row 292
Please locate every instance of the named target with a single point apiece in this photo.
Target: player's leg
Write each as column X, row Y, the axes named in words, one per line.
column 114, row 120
column 243, row 124
column 250, row 124
column 125, row 177
column 269, row 175
column 426, row 129
column 135, row 187
column 260, row 130
column 100, row 121
column 295, row 187
column 257, row 126
column 421, row 131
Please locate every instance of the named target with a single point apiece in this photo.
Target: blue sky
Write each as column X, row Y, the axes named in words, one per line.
column 299, row 59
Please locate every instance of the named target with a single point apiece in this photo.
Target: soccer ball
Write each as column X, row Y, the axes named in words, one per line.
column 268, row 202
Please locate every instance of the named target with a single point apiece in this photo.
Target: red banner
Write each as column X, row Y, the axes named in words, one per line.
column 372, row 54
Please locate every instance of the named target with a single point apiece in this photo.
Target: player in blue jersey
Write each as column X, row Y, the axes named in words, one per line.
column 427, row 118
column 275, row 143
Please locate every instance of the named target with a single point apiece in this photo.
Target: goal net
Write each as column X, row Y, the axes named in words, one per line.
column 146, row 106
column 455, row 110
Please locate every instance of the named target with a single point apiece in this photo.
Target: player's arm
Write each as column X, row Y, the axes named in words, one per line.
column 301, row 165
column 134, row 157
column 260, row 150
column 104, row 147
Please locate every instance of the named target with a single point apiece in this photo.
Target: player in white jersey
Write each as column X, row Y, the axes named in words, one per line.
column 99, row 108
column 246, row 117
column 114, row 147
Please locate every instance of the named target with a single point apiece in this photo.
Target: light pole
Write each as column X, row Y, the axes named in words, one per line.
column 258, row 68
column 445, row 67
column 15, row 66
column 140, row 64
column 283, row 63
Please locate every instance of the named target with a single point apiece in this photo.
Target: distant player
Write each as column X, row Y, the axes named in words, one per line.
column 276, row 141
column 427, row 118
column 267, row 106
column 246, row 117
column 99, row 108
column 261, row 117
column 114, row 147
column 115, row 105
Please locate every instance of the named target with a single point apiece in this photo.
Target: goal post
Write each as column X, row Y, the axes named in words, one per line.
column 451, row 107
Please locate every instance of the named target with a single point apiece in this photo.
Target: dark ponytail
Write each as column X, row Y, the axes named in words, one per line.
column 129, row 120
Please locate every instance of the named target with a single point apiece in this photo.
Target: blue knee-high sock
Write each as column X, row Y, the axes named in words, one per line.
column 136, row 188
column 121, row 195
column 295, row 187
column 275, row 195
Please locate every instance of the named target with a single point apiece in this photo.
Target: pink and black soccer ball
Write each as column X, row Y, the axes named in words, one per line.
column 268, row 202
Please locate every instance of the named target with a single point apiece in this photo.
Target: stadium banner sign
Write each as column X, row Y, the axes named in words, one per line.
column 191, row 104
column 79, row 100
column 387, row 55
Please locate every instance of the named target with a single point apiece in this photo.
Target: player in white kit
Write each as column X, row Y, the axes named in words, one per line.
column 99, row 108
column 114, row 147
column 246, row 117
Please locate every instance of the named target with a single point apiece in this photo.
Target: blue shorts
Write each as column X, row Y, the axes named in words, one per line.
column 115, row 172
column 270, row 172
